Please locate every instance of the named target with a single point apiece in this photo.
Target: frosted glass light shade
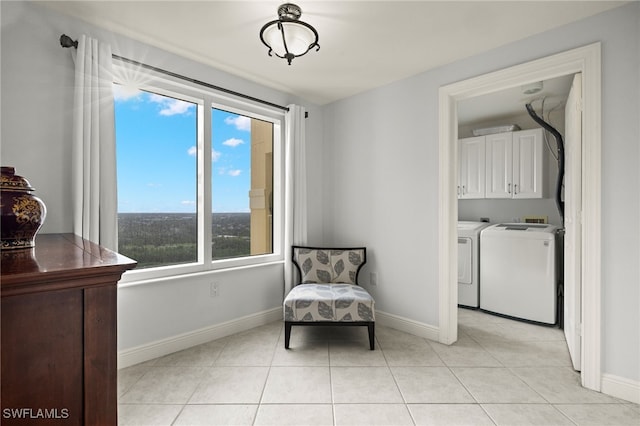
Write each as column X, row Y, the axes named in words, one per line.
column 298, row 38
column 288, row 37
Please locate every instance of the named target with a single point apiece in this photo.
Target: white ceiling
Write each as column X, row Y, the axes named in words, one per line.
column 364, row 44
column 509, row 103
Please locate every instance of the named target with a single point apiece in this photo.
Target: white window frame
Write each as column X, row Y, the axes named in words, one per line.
column 207, row 99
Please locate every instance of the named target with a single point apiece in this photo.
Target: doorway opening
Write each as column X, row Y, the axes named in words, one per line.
column 586, row 61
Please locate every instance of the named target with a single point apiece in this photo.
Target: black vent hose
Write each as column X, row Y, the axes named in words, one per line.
column 560, row 144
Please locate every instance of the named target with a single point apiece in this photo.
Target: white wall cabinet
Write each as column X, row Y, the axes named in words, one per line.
column 471, row 170
column 528, row 164
column 499, row 165
column 513, row 165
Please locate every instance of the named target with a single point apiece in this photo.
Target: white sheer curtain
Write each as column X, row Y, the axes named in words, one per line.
column 93, row 152
column 295, row 188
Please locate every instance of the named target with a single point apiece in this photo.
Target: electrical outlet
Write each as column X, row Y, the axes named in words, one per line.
column 214, row 289
column 373, row 278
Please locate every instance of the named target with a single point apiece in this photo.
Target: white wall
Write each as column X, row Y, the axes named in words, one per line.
column 153, row 312
column 37, row 89
column 381, row 191
column 382, row 171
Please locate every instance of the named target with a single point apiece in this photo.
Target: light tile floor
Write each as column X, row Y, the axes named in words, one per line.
column 500, row 372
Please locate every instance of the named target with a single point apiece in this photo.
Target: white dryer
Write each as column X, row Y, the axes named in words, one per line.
column 469, row 262
column 518, row 271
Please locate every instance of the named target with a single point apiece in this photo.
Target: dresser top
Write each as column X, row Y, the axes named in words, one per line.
column 60, row 261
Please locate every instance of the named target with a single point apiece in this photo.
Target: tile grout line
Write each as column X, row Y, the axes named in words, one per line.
column 264, row 385
column 333, row 404
column 395, row 381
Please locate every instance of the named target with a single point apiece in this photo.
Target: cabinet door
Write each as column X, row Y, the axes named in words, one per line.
column 527, row 164
column 499, row 169
column 42, row 336
column 471, row 182
column 100, row 356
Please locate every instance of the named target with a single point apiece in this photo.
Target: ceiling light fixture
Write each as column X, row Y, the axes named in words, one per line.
column 532, row 88
column 287, row 37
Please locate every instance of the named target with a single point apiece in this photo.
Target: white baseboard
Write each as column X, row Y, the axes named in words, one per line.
column 173, row 344
column 622, row 388
column 408, row 325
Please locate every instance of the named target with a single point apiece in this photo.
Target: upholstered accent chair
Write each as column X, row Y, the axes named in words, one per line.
column 328, row 292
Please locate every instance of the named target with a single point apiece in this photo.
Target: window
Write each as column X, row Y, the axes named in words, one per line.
column 196, row 191
column 242, row 185
column 156, row 137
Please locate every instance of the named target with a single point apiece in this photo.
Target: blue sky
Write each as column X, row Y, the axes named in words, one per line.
column 156, row 155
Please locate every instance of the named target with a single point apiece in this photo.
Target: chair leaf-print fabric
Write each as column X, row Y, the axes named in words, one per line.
column 329, row 266
column 335, row 302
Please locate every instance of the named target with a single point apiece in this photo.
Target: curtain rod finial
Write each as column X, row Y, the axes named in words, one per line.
column 66, row 41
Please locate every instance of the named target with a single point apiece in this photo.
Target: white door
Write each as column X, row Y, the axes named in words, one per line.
column 499, row 167
column 472, row 165
column 573, row 209
column 527, row 164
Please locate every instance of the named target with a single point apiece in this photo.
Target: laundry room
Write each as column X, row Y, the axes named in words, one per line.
column 494, row 114
column 512, row 180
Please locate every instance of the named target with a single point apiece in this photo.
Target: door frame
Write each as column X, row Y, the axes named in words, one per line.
column 585, row 60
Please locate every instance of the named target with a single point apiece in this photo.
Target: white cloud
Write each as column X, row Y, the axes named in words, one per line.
column 124, row 93
column 235, row 172
column 240, row 121
column 171, row 106
column 176, row 106
column 187, row 203
column 233, row 142
column 215, row 155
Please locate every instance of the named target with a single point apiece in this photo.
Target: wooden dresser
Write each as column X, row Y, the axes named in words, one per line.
column 59, row 346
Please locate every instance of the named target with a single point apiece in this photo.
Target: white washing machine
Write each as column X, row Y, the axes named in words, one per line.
column 518, row 271
column 469, row 262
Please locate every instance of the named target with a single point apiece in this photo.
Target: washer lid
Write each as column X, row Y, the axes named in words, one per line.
column 524, row 227
column 471, row 226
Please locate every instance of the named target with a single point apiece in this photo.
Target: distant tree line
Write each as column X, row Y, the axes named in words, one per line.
column 155, row 239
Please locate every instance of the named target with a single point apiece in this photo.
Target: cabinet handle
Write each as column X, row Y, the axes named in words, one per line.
column 515, row 188
column 509, row 188
column 464, row 189
column 458, row 189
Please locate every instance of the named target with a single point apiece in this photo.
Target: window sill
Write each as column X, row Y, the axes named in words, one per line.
column 138, row 278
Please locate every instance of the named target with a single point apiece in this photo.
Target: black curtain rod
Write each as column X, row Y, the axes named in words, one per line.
column 66, row 42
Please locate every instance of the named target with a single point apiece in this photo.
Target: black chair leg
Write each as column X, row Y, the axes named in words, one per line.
column 372, row 333
column 287, row 334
